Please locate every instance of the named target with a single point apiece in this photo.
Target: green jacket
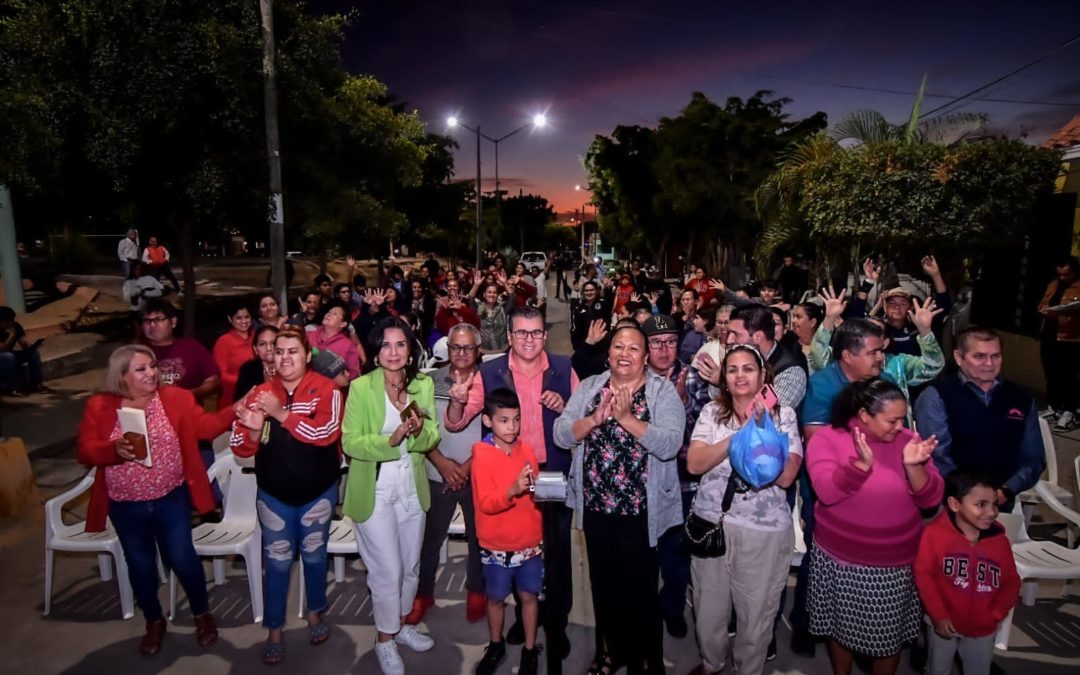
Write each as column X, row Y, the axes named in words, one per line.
column 362, row 440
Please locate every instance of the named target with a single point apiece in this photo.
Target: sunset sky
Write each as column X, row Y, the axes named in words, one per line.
column 594, row 65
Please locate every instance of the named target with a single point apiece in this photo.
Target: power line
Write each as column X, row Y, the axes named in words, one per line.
column 859, row 87
column 1014, row 71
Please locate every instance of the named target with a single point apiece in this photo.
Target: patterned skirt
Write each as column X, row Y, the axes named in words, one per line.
column 870, row 610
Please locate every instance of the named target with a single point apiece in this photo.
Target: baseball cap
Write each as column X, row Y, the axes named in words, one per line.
column 658, row 325
column 896, row 293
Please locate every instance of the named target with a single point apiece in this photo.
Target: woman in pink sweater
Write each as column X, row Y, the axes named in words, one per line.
column 872, row 476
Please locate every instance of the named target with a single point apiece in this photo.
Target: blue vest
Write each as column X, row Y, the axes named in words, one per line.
column 985, row 438
column 496, row 375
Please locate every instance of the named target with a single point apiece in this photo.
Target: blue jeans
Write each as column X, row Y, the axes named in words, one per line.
column 11, row 361
column 285, row 530
column 162, row 524
column 675, row 567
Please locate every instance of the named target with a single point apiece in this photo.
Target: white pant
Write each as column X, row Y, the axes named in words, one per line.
column 390, row 542
column 749, row 577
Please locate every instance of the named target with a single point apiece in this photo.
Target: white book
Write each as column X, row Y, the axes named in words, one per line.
column 133, row 420
column 1066, row 308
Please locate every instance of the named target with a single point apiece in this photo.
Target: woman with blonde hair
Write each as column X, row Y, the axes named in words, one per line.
column 150, row 504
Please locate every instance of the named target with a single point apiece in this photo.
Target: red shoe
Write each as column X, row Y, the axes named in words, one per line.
column 475, row 607
column 419, row 606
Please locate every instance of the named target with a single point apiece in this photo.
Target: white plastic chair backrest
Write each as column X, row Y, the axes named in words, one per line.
column 491, row 357
column 221, row 443
column 1048, row 449
column 54, row 519
column 1015, row 529
column 242, row 488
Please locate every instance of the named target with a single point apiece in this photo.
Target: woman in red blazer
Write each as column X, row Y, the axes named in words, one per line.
column 150, row 506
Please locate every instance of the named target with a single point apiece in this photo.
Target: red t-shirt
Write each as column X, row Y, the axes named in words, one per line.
column 185, row 363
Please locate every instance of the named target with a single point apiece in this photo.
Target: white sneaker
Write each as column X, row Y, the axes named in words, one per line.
column 1064, row 421
column 389, row 660
column 414, row 640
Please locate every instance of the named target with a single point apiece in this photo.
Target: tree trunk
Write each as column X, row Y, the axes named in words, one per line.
column 187, row 265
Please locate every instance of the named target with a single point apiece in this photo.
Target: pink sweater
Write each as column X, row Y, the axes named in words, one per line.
column 871, row 517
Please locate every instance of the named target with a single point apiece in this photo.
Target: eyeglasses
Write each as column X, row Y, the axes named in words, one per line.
column 463, row 349
column 154, row 320
column 663, row 344
column 524, row 334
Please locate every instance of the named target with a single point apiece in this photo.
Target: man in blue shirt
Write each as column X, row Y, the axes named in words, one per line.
column 983, row 422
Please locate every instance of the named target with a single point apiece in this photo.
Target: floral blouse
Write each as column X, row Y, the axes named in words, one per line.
column 134, row 482
column 615, row 464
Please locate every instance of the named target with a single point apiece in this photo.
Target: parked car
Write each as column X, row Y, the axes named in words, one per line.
column 530, row 258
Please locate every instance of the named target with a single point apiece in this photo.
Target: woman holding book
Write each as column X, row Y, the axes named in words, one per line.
column 150, row 501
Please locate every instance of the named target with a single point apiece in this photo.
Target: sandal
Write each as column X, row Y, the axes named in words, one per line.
column 318, row 633
column 273, row 653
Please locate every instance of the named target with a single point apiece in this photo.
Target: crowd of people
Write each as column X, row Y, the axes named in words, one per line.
column 437, row 390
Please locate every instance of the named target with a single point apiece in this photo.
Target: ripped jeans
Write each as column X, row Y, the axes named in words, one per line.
column 287, row 529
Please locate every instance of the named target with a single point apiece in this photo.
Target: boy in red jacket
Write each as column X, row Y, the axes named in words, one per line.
column 966, row 576
column 508, row 526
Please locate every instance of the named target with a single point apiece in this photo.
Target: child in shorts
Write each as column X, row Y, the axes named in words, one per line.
column 966, row 576
column 508, row 526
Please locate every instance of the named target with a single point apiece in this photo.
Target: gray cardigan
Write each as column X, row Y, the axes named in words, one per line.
column 662, row 440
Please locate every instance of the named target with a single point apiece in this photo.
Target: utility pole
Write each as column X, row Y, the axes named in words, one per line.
column 273, row 157
column 479, row 207
column 9, row 254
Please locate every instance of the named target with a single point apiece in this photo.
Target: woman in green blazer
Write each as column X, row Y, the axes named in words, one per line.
column 389, row 425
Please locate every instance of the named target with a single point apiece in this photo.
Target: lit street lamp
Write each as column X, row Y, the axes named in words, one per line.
column 539, row 121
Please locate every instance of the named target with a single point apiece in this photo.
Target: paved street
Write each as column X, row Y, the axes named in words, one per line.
column 85, row 634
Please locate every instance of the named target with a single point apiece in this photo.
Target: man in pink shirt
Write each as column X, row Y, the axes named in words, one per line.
column 543, row 383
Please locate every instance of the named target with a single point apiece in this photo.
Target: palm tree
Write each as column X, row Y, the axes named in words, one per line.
column 777, row 198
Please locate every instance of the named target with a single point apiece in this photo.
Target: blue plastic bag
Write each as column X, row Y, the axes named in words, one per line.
column 758, row 453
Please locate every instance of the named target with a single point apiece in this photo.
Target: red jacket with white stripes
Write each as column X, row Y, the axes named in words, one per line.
column 298, row 459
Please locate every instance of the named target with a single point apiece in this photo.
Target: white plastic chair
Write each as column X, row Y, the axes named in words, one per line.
column 238, row 533
column 799, row 552
column 1030, row 498
column 75, row 538
column 1038, row 559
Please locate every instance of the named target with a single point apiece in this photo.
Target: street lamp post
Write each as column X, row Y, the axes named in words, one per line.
column 538, row 122
column 578, row 188
column 454, row 122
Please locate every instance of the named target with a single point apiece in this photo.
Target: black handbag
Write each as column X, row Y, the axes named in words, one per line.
column 705, row 539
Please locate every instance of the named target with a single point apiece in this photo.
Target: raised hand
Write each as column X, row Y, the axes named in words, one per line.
column 620, row 403
column 717, row 285
column 459, row 391
column 268, row 403
column 603, row 409
column 379, row 297
column 930, row 266
column 652, row 297
column 919, row 451
column 835, row 304
column 708, row 369
column 607, row 282
column 866, row 455
column 524, row 480
column 350, row 261
column 477, row 276
column 635, row 297
column 923, row 315
column 598, row 330
column 680, row 384
column 871, row 271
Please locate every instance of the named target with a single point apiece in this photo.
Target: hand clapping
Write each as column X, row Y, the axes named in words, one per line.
column 919, row 451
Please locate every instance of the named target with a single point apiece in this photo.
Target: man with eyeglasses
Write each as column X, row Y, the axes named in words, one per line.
column 448, row 467
column 181, row 361
column 543, row 383
column 662, row 338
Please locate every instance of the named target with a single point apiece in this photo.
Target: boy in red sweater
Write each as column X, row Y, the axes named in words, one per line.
column 508, row 526
column 966, row 576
